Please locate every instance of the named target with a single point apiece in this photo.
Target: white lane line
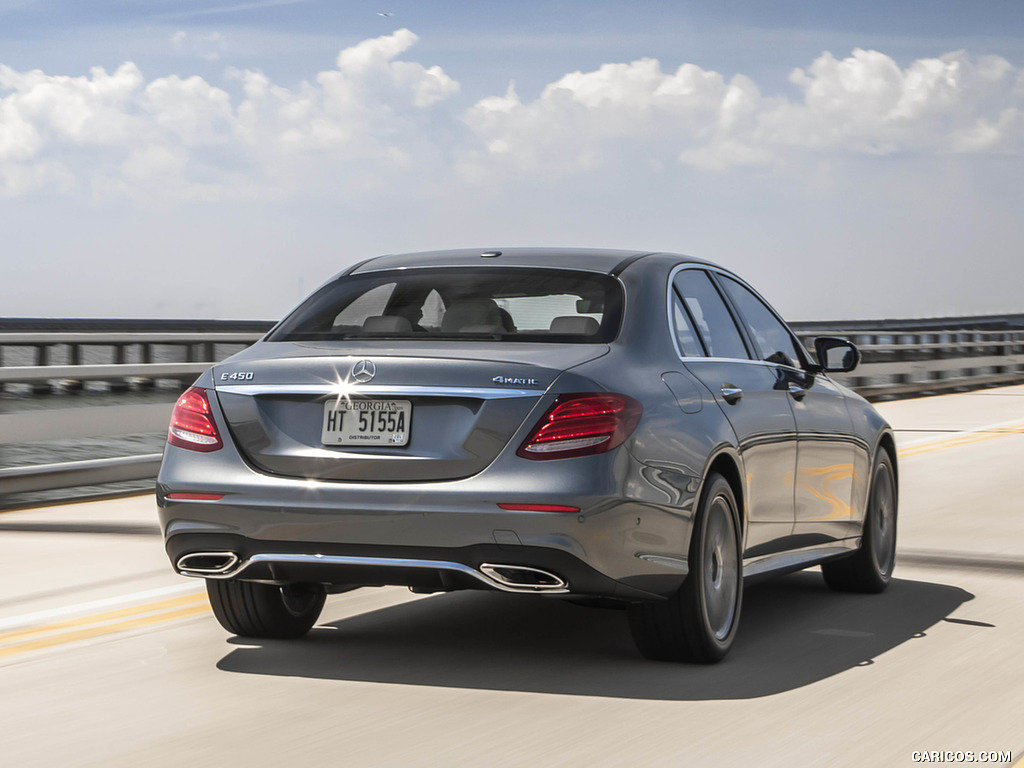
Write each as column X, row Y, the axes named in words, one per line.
column 28, row 619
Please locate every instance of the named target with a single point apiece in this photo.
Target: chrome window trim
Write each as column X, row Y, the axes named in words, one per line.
column 670, row 293
column 671, row 321
column 375, row 390
column 800, row 349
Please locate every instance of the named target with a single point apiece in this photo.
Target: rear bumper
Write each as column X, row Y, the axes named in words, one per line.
column 624, row 542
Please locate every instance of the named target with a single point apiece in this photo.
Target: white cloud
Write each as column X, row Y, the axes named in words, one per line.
column 191, row 110
column 76, row 110
column 377, row 119
column 576, row 120
column 122, row 135
column 864, row 104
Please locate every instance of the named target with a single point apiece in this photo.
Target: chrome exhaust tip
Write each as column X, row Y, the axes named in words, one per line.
column 207, row 563
column 522, row 578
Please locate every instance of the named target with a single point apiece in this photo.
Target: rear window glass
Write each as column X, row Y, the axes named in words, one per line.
column 523, row 304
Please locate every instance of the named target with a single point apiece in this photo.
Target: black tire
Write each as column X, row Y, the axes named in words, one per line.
column 698, row 623
column 869, row 569
column 265, row 610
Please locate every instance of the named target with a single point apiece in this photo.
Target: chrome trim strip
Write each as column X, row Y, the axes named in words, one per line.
column 394, row 562
column 374, row 390
column 675, row 563
column 792, row 559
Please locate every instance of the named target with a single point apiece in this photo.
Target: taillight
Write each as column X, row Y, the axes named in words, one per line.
column 192, row 424
column 581, row 425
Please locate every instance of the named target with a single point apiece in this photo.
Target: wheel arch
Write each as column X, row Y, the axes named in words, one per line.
column 729, row 465
column 887, row 442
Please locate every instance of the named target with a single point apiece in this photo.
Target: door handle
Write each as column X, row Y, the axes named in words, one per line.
column 731, row 394
column 797, row 392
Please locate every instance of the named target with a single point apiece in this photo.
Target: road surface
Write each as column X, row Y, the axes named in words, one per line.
column 107, row 658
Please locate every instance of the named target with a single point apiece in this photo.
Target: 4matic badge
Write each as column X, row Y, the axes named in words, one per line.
column 514, row 380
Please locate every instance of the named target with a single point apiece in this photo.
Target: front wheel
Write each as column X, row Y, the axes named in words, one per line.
column 869, row 569
column 265, row 610
column 698, row 623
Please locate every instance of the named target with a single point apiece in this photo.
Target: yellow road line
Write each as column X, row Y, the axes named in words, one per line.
column 107, row 616
column 967, row 438
column 157, row 613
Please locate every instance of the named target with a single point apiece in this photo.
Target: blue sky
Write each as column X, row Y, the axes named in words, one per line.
column 854, row 160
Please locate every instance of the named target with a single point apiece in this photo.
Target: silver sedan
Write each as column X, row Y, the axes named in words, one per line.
column 619, row 428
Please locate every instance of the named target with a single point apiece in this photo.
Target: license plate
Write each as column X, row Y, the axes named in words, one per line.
column 367, row 422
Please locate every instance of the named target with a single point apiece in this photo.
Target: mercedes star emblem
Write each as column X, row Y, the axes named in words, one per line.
column 363, row 371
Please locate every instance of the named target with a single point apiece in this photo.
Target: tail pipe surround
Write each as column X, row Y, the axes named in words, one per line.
column 506, row 578
column 524, row 579
column 208, row 563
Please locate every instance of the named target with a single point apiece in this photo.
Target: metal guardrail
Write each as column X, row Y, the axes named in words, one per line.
column 127, row 372
column 71, row 474
column 900, row 358
column 47, row 357
column 901, row 364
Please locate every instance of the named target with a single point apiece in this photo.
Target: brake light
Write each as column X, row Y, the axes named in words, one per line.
column 582, row 424
column 192, row 424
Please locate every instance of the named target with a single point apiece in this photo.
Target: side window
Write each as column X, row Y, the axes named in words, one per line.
column 774, row 342
column 689, row 345
column 707, row 308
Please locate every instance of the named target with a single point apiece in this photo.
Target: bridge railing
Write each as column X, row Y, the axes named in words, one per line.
column 901, row 363
column 900, row 358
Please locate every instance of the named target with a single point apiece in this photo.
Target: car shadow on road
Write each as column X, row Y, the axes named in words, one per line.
column 794, row 632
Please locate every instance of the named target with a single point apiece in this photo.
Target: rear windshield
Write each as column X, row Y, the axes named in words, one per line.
column 523, row 304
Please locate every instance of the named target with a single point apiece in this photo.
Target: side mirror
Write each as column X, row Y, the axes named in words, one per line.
column 836, row 355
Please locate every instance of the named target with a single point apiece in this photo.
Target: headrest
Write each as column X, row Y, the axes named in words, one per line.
column 575, row 324
column 470, row 312
column 386, row 324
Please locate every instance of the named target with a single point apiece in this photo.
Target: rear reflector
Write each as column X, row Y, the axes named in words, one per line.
column 538, row 508
column 195, row 496
column 582, row 424
column 192, row 424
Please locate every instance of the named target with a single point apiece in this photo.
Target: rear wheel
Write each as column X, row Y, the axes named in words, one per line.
column 698, row 623
column 265, row 610
column 870, row 568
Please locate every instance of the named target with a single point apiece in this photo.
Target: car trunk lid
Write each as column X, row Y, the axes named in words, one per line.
column 402, row 412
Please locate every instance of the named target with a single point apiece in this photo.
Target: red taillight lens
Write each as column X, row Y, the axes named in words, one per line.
column 581, row 425
column 192, row 423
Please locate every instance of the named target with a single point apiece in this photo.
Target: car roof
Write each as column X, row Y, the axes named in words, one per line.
column 605, row 260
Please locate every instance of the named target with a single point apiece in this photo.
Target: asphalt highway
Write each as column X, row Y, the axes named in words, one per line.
column 107, row 658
